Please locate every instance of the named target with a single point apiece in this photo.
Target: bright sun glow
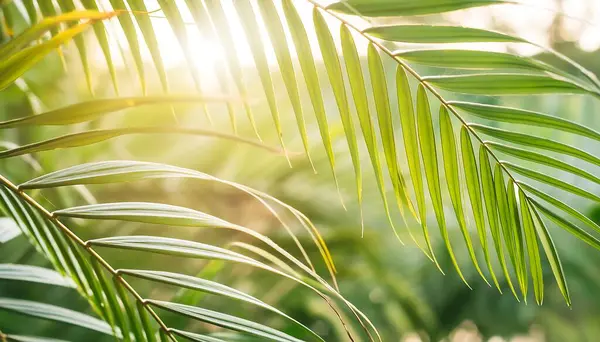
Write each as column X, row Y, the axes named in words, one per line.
column 531, row 21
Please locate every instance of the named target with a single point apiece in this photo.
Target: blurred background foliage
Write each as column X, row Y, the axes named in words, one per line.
column 404, row 294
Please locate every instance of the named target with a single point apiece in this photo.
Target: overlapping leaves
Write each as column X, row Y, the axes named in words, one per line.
column 123, row 312
column 514, row 212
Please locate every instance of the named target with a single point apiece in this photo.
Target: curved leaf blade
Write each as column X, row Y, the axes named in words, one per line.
column 90, row 110
column 307, row 64
column 34, row 274
column 385, row 8
column 474, row 190
column 411, row 147
column 517, row 232
column 17, row 64
column 336, row 79
column 552, row 181
column 359, row 94
column 195, row 337
column 55, row 313
column 525, row 117
column 491, row 208
column 508, row 224
column 431, row 34
column 386, row 129
column 95, row 136
column 562, row 206
column 209, row 286
column 450, row 158
column 146, row 212
column 552, row 255
column 279, row 41
column 225, row 321
column 249, row 22
column 473, row 59
column 535, row 263
column 429, row 154
column 505, row 84
column 542, row 159
column 537, row 142
column 568, row 226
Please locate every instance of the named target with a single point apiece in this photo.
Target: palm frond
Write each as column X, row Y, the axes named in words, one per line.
column 516, row 211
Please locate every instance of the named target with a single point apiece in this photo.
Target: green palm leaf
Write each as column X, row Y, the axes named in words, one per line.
column 497, row 194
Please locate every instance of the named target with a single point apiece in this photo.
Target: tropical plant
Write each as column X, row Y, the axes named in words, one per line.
column 491, row 173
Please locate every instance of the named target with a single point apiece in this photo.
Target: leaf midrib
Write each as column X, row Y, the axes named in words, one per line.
column 69, row 234
column 427, row 86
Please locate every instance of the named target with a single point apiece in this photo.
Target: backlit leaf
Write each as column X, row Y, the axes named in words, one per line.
column 429, row 155
column 55, row 313
column 385, row 8
column 450, row 158
column 504, row 84
column 438, row 34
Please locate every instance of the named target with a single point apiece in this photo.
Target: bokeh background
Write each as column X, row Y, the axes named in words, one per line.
column 404, row 294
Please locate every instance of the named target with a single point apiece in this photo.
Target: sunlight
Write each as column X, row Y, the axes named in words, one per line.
column 207, row 51
column 178, row 174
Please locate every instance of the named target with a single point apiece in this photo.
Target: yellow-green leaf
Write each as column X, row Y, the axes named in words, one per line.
column 18, row 63
column 132, row 40
column 535, row 263
column 525, row 117
column 411, row 146
column 95, row 136
column 388, row 8
column 227, row 41
column 473, row 59
column 568, row 226
column 438, row 34
column 145, row 25
column 542, row 159
column 505, row 84
column 248, row 19
column 474, row 190
column 491, row 208
column 517, row 232
column 307, row 64
column 537, row 142
column 35, row 32
column 359, row 94
column 284, row 60
column 507, row 223
column 450, row 158
column 552, row 255
column 544, row 178
column 429, row 154
column 334, row 71
column 90, row 110
column 562, row 206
